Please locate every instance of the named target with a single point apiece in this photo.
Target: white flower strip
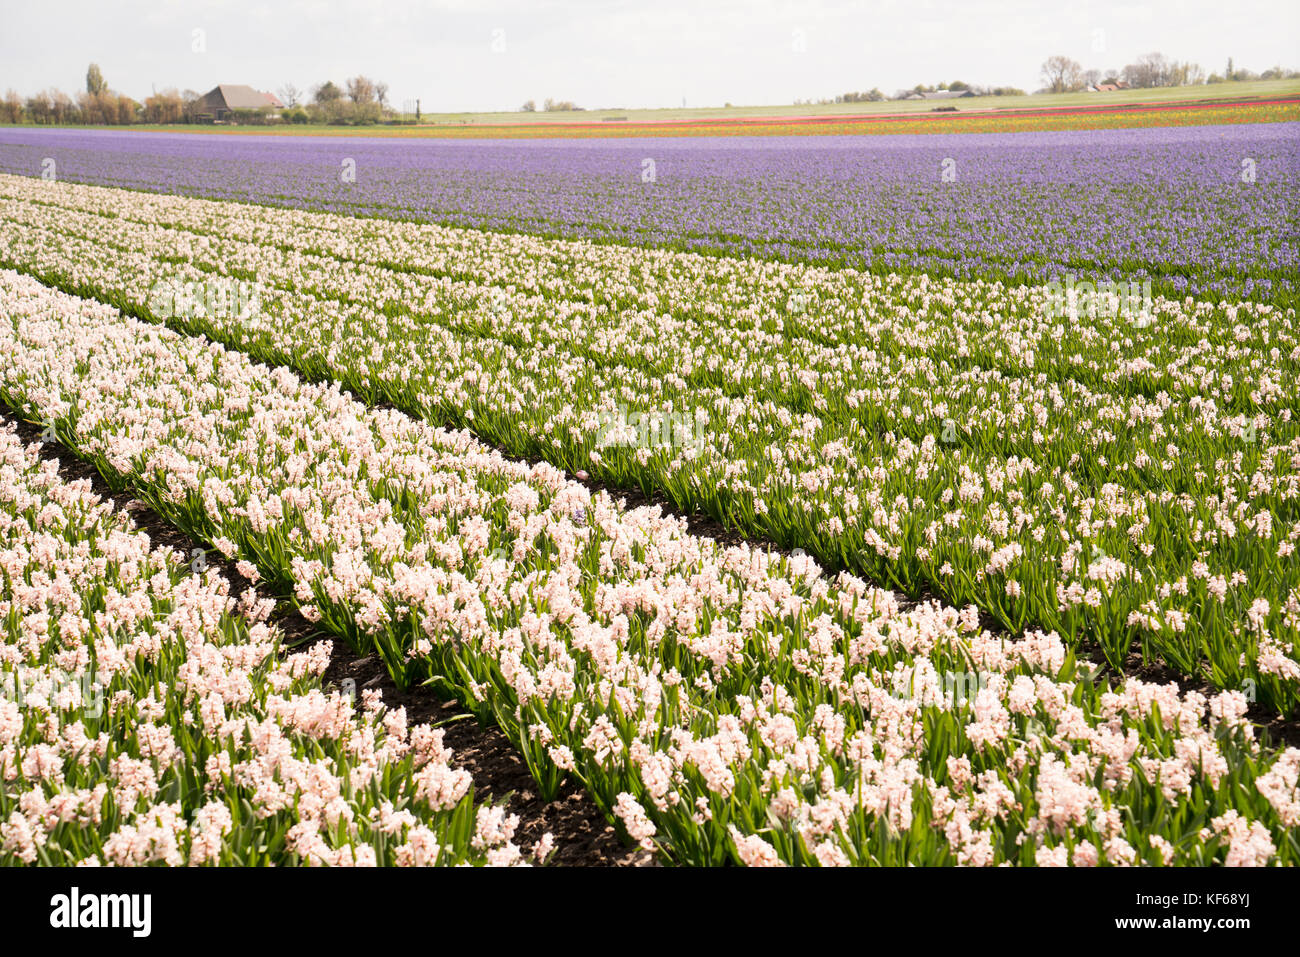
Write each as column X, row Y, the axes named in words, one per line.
column 718, row 702
column 146, row 717
column 1129, row 479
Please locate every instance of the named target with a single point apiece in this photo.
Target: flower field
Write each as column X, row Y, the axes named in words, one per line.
column 721, row 702
column 1169, row 204
column 1012, row 460
column 1128, row 479
column 147, row 719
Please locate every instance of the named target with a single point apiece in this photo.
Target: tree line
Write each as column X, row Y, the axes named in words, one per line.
column 874, row 95
column 360, row 100
column 1064, row 75
column 551, row 106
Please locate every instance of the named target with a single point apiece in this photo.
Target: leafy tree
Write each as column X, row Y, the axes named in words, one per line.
column 327, row 103
column 95, row 84
column 326, row 93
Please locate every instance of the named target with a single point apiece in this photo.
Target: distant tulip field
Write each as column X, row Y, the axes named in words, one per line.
column 972, row 462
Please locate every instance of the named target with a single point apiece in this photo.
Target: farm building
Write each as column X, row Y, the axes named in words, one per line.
column 222, row 102
column 940, row 95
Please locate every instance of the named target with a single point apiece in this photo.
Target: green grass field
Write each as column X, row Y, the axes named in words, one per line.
column 1264, row 89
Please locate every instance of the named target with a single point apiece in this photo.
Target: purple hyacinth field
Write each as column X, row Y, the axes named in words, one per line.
column 1166, row 204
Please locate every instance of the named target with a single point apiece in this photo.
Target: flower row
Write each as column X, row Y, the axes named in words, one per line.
column 149, row 717
column 1133, row 483
column 720, row 703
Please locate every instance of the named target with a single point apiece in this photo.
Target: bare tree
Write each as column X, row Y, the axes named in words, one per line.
column 190, row 100
column 94, row 108
column 1151, row 70
column 11, row 109
column 61, row 107
column 165, row 107
column 363, row 93
column 127, row 110
column 361, row 90
column 1062, row 74
column 289, row 94
column 1139, row 74
column 40, row 107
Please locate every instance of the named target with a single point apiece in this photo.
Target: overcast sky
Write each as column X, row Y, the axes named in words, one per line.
column 494, row 54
